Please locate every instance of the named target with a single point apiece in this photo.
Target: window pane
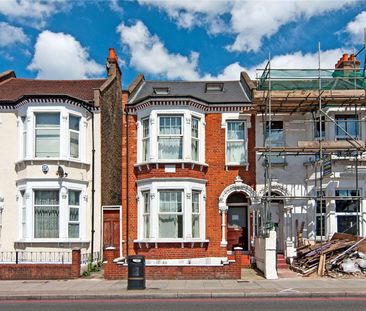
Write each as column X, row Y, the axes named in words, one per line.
column 47, row 120
column 347, row 206
column 74, row 214
column 347, row 224
column 195, row 226
column 320, row 229
column 235, row 130
column 74, row 145
column 194, row 124
column 46, row 216
column 74, row 123
column 235, row 152
column 195, row 202
column 47, row 143
column 276, row 134
column 170, row 148
column 236, row 217
column 170, row 226
column 146, row 226
column 349, row 124
column 50, row 197
column 170, row 125
column 145, row 128
column 73, row 231
column 74, row 197
column 170, row 201
column 194, row 147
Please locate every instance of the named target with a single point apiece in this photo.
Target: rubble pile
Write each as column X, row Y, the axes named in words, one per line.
column 343, row 254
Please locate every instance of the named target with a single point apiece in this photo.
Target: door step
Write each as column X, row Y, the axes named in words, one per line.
column 281, row 262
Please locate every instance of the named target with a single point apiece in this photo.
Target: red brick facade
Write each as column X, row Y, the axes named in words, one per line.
column 217, row 175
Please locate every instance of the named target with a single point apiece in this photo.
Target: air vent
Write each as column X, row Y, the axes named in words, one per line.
column 214, row 87
column 161, row 90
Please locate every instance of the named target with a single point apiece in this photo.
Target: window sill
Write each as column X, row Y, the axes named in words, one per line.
column 68, row 243
column 184, row 243
column 182, row 163
column 56, row 161
column 229, row 165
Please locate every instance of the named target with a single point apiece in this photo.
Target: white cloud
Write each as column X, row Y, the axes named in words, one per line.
column 61, row 56
column 148, row 54
column 356, row 28
column 33, row 12
column 250, row 21
column 114, row 6
column 188, row 14
column 10, row 35
column 296, row 60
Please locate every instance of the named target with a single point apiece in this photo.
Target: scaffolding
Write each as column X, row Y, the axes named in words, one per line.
column 314, row 91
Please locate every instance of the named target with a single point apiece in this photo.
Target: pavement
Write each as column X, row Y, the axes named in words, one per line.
column 251, row 284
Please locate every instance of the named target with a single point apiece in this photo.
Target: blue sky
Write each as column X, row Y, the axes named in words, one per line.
column 175, row 39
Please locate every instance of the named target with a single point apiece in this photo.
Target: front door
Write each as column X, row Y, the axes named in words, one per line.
column 237, row 221
column 277, row 218
column 237, row 227
column 111, row 232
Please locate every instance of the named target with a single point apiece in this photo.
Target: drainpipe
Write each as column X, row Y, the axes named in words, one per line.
column 127, row 184
column 93, row 189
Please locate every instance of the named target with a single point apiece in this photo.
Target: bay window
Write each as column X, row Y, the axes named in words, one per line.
column 170, row 140
column 171, row 211
column 46, row 213
column 47, row 135
column 170, row 214
column 236, row 142
column 170, row 136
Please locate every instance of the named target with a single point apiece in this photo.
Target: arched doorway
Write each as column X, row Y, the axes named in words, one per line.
column 238, row 221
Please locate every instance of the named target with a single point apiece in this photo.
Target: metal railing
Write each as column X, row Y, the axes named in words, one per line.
column 86, row 258
column 18, row 257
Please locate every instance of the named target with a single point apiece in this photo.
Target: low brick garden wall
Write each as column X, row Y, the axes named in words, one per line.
column 41, row 271
column 114, row 271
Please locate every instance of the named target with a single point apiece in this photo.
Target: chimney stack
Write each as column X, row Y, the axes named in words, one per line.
column 112, row 63
column 350, row 64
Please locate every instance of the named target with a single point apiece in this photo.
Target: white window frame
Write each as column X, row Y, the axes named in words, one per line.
column 146, row 206
column 29, row 187
column 153, row 114
column 74, row 222
column 74, row 132
column 337, row 214
column 145, row 140
column 173, row 136
column 195, row 139
column 154, row 187
column 46, row 128
column 245, row 140
column 342, row 135
column 28, row 114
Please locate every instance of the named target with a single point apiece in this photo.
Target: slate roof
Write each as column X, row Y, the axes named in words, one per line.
column 232, row 92
column 14, row 89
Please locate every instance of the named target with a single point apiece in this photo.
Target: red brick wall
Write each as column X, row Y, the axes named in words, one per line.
column 217, row 176
column 42, row 271
column 113, row 271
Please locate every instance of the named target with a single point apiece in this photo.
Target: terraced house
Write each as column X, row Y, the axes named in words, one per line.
column 60, row 161
column 188, row 175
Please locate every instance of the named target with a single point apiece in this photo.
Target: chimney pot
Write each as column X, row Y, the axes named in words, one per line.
column 112, row 54
column 345, row 57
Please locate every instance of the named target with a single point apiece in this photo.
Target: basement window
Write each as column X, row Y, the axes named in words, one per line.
column 214, row 87
column 161, row 90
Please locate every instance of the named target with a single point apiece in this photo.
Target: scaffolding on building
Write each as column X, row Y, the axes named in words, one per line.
column 314, row 91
